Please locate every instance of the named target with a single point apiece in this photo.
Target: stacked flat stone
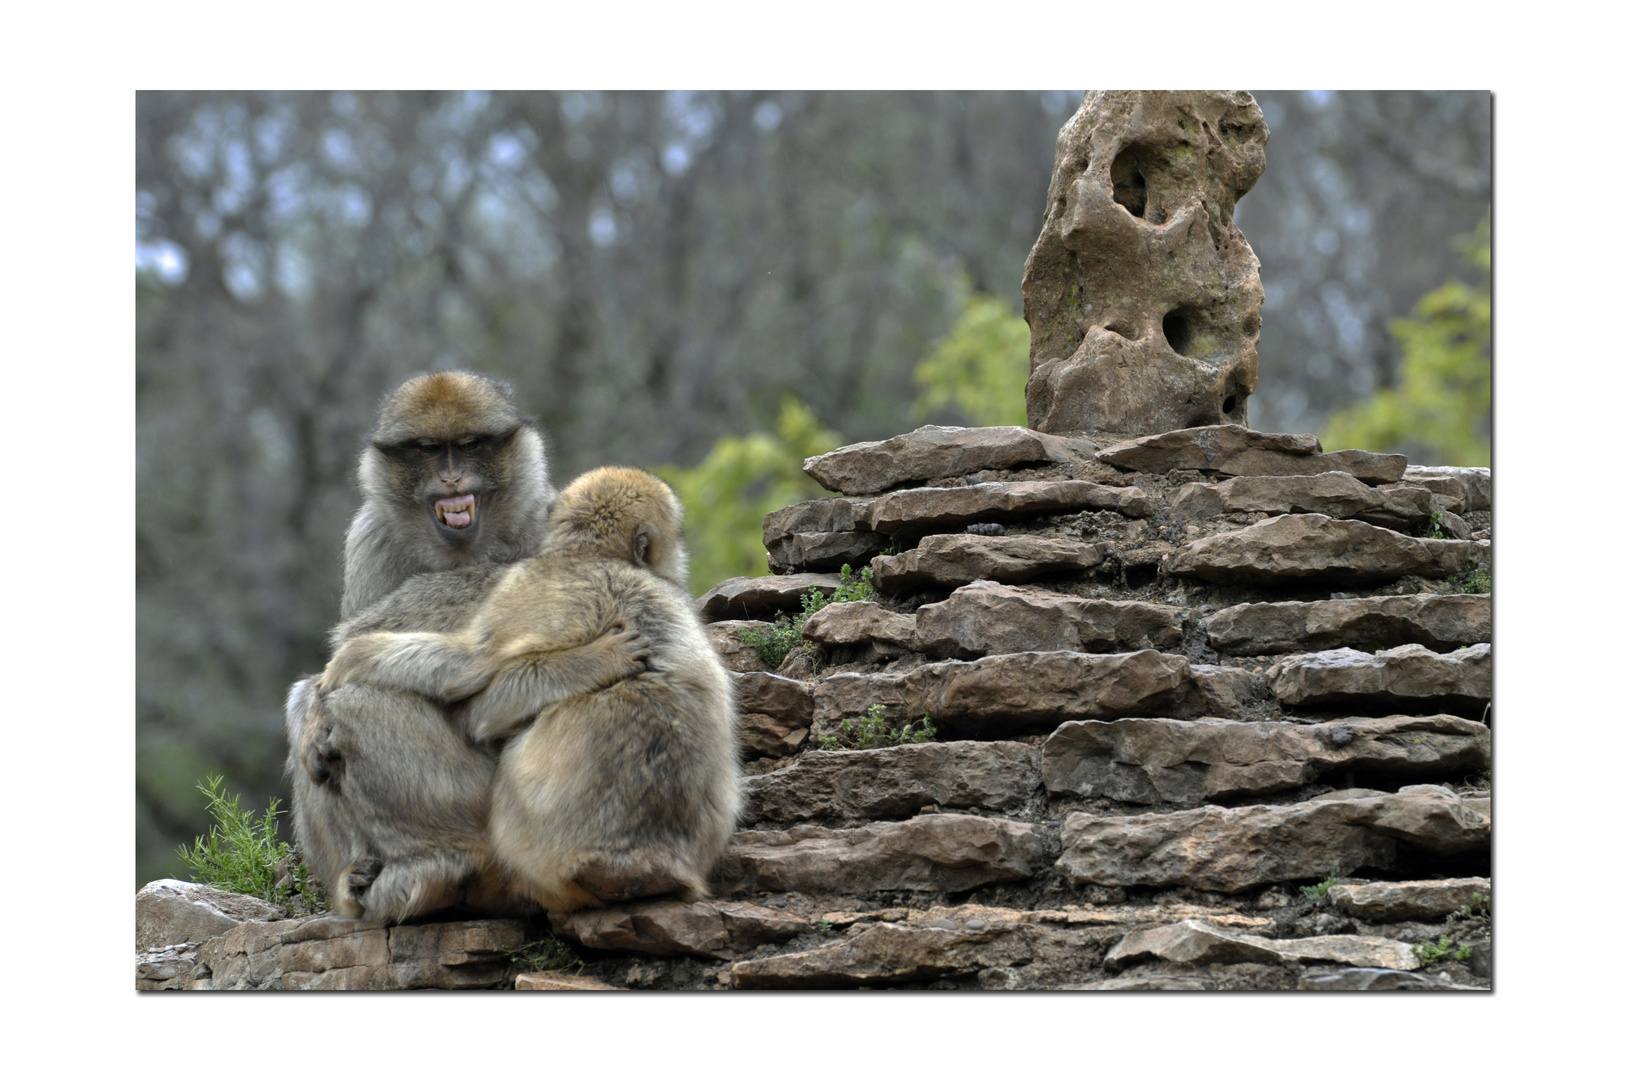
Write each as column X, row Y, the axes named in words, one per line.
column 1173, row 679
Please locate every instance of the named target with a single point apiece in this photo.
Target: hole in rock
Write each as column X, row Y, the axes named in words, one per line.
column 1129, row 181
column 1229, row 406
column 1177, row 331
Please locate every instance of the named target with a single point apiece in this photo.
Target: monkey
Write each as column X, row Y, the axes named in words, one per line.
column 453, row 477
column 628, row 788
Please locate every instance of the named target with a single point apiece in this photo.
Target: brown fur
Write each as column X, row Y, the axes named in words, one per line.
column 390, row 801
column 621, row 776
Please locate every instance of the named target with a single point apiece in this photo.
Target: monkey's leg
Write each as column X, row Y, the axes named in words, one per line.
column 529, row 682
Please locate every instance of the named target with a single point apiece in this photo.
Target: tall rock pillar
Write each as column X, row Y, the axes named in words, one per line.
column 1141, row 293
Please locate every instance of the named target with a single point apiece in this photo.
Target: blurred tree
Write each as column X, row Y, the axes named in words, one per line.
column 742, row 480
column 654, row 272
column 980, row 368
column 1439, row 413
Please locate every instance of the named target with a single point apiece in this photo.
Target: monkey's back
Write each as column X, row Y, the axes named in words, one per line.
column 633, row 789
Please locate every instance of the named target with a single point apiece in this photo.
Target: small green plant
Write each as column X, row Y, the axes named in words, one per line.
column 1435, row 529
column 873, row 731
column 545, row 954
column 241, row 854
column 1478, row 904
column 826, row 927
column 775, row 643
column 1429, row 952
column 1475, row 581
column 1319, row 890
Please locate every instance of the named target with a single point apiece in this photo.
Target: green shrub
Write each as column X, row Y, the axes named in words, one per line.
column 873, row 731
column 1475, row 581
column 545, row 954
column 775, row 643
column 1319, row 890
column 241, row 854
column 1429, row 952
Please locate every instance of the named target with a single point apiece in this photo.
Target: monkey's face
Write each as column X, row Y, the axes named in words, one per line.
column 452, row 481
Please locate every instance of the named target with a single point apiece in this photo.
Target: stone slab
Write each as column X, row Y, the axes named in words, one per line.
column 1464, row 490
column 1317, row 547
column 761, row 597
column 889, row 954
column 171, row 912
column 929, row 853
column 1230, row 850
column 952, row 560
column 1439, row 622
column 1336, row 494
column 1407, row 675
column 1022, row 693
column 922, row 510
column 1193, row 941
column 986, row 617
column 1232, row 450
column 1402, row 901
column 861, row 622
column 855, row 786
column 868, row 468
column 1188, row 762
column 715, row 929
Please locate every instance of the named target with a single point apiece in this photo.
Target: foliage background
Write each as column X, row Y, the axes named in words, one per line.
column 712, row 284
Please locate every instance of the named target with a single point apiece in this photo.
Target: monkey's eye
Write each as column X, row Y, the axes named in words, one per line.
column 473, row 442
column 428, row 446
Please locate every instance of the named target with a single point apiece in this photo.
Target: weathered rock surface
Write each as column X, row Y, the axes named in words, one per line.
column 775, row 695
column 799, row 552
column 986, row 617
column 759, row 597
column 954, row 560
column 1143, row 982
column 328, row 953
column 930, row 452
column 1187, row 762
column 1463, row 490
column 889, row 954
column 933, row 852
column 171, row 967
column 923, row 510
column 1232, row 450
column 718, row 929
column 1373, row 978
column 1023, row 693
column 736, row 654
column 1336, row 494
column 547, row 980
column 171, row 912
column 1401, row 901
column 1402, row 676
column 1377, row 622
column 1142, row 294
column 861, row 623
column 848, row 786
column 1306, row 546
column 1194, row 942
column 774, row 713
column 1228, row 850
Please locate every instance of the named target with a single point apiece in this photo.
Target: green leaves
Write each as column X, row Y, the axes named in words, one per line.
column 1440, row 410
column 981, row 367
column 239, row 854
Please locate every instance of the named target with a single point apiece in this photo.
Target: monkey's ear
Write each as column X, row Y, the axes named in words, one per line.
column 642, row 538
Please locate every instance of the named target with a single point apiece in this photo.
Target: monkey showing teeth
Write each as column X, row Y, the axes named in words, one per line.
column 390, row 799
column 620, row 777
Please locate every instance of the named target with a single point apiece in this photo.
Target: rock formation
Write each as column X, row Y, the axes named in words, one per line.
column 1142, row 295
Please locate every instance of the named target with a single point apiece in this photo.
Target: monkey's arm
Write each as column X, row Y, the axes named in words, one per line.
column 422, row 663
column 529, row 678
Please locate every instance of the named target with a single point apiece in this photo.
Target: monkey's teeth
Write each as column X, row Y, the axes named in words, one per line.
column 456, row 512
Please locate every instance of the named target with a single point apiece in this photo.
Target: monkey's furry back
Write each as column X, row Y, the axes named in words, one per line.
column 633, row 789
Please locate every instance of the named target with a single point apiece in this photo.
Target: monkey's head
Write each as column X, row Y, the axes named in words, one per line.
column 621, row 513
column 443, row 454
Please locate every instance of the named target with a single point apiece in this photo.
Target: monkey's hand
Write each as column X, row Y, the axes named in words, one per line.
column 528, row 676
column 319, row 750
